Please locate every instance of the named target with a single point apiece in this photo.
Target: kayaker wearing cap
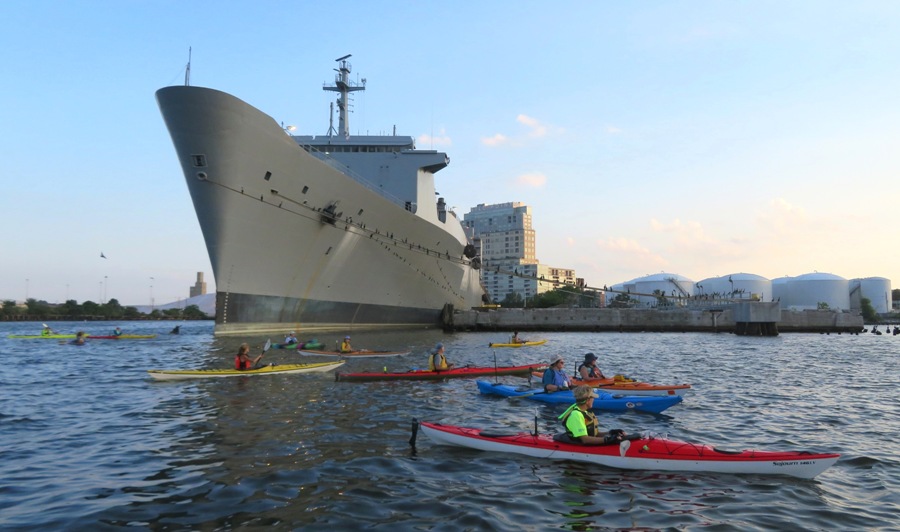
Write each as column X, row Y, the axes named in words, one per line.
column 437, row 361
column 345, row 345
column 589, row 369
column 581, row 424
column 555, row 378
column 290, row 339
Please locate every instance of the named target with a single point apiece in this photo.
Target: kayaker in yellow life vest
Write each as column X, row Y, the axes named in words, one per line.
column 345, row 345
column 581, row 424
column 437, row 361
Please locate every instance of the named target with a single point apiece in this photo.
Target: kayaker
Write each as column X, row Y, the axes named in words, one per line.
column 516, row 340
column 47, row 331
column 581, row 424
column 176, row 330
column 345, row 345
column 555, row 378
column 79, row 338
column 589, row 369
column 290, row 339
column 117, row 332
column 437, row 361
column 242, row 360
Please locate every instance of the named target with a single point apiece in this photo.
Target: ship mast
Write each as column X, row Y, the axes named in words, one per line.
column 344, row 86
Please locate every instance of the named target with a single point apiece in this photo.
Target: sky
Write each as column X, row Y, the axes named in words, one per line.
column 700, row 138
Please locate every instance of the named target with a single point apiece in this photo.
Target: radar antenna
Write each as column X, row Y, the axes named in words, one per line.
column 344, row 87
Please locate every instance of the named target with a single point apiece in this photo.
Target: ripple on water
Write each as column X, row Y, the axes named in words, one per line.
column 81, row 449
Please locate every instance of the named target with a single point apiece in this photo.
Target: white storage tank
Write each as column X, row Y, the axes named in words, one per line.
column 669, row 284
column 808, row 290
column 780, row 290
column 742, row 285
column 876, row 289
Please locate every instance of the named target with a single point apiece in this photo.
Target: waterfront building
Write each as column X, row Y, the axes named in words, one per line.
column 506, row 240
column 199, row 287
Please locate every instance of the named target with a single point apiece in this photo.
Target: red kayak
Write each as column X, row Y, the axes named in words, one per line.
column 651, row 453
column 424, row 374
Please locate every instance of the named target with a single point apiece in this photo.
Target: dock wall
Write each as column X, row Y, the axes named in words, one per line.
column 750, row 319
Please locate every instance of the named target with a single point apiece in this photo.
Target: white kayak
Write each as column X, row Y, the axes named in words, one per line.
column 280, row 369
column 653, row 453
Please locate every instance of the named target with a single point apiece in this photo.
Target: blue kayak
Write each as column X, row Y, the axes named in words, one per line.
column 606, row 402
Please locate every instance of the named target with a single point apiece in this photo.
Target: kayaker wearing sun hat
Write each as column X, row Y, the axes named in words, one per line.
column 581, row 424
column 589, row 369
column 555, row 378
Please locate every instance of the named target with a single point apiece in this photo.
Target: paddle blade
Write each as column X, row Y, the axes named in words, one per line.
column 268, row 345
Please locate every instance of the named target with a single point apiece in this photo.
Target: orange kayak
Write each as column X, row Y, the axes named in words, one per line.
column 620, row 386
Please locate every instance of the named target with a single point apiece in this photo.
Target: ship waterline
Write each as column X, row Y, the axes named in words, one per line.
column 323, row 232
column 245, row 313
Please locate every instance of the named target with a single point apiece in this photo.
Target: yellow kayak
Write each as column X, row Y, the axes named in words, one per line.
column 175, row 374
column 519, row 344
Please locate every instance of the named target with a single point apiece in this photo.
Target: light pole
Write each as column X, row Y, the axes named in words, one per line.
column 151, row 294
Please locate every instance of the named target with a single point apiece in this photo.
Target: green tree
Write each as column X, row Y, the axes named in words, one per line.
column 513, row 300
column 71, row 308
column 868, row 311
column 131, row 313
column 113, row 310
column 90, row 308
column 622, row 300
column 37, row 308
column 10, row 308
column 193, row 312
column 822, row 305
column 564, row 295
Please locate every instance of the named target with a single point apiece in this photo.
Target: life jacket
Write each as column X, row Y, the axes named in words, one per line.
column 552, row 376
column 437, row 361
column 594, row 374
column 345, row 347
column 590, row 421
column 241, row 365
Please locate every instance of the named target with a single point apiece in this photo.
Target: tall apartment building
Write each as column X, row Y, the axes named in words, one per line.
column 506, row 239
column 199, row 287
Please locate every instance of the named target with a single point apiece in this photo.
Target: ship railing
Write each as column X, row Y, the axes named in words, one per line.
column 344, row 169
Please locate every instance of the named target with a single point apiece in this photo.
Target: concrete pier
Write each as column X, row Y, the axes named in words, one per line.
column 746, row 318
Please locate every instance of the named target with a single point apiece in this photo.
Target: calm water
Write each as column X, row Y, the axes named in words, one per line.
column 88, row 441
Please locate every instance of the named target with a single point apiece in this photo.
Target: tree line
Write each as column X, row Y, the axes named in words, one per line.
column 35, row 310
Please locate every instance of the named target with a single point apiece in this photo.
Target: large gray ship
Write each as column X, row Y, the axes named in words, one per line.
column 317, row 232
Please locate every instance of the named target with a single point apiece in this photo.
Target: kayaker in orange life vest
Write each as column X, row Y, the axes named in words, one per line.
column 581, row 424
column 242, row 360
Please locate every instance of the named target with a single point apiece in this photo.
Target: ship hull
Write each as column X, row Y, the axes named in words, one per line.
column 293, row 241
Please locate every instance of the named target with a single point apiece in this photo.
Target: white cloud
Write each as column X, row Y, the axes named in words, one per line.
column 535, row 130
column 442, row 139
column 496, row 140
column 533, row 180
